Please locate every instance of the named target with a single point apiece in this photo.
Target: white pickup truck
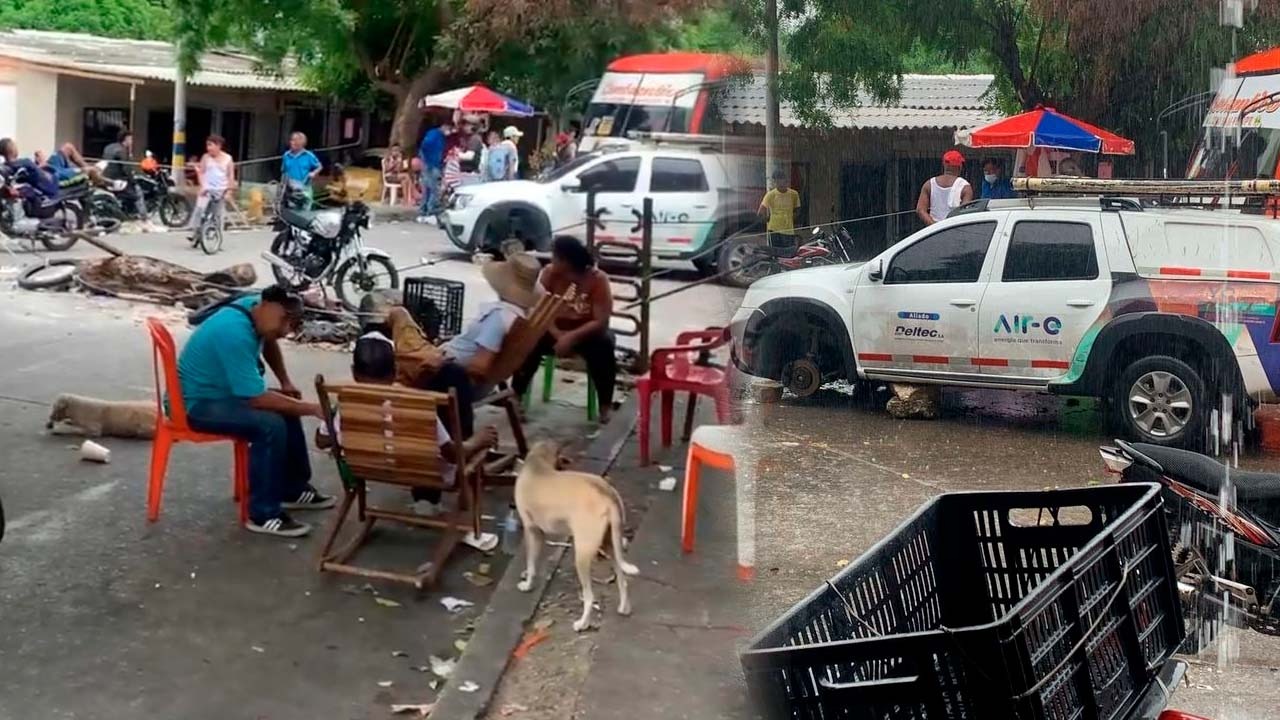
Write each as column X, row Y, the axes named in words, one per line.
column 1160, row 312
column 695, row 203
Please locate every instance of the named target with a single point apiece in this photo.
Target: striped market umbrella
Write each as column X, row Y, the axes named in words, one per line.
column 477, row 99
column 1045, row 128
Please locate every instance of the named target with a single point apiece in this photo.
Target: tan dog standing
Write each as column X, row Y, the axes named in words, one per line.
column 582, row 505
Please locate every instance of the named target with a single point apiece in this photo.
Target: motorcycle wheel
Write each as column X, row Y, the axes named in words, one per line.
column 64, row 240
column 279, row 247
column 175, row 210
column 742, row 264
column 363, row 281
column 35, row 277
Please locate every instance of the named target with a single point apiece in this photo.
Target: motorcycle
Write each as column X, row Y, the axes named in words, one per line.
column 745, row 261
column 324, row 246
column 54, row 222
column 145, row 194
column 1225, row 535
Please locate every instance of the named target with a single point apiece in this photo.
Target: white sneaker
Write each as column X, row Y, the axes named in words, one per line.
column 426, row 508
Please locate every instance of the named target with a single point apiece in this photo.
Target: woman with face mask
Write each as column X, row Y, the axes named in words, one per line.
column 995, row 186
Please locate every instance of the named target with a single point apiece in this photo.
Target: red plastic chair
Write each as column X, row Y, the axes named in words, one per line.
column 173, row 428
column 674, row 369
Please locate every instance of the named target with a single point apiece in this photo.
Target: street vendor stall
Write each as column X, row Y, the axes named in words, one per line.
column 1046, row 141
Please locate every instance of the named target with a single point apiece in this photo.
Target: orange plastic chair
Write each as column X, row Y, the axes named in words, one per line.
column 714, row 446
column 173, row 428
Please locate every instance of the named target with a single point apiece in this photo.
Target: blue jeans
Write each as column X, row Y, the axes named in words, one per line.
column 279, row 468
column 431, row 180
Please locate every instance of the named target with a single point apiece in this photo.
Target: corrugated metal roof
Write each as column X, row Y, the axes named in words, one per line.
column 942, row 102
column 140, row 59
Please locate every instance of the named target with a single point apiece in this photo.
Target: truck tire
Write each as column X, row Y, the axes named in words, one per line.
column 737, row 258
column 1162, row 400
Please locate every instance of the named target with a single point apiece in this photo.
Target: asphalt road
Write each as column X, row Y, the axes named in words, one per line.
column 836, row 475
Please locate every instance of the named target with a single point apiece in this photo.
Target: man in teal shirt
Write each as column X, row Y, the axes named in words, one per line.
column 300, row 164
column 226, row 393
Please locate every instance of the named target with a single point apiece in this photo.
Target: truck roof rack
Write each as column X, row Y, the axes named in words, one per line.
column 1132, row 188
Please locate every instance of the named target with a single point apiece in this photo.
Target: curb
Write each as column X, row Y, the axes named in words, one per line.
column 502, row 624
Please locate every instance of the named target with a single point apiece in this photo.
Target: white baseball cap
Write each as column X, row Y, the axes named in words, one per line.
column 511, row 131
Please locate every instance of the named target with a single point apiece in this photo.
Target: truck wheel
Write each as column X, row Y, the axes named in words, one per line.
column 1161, row 400
column 802, row 377
column 738, row 258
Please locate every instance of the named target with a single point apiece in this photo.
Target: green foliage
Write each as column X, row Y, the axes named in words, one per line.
column 137, row 19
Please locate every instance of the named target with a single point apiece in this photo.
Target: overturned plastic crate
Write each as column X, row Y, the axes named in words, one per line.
column 1029, row 605
column 436, row 305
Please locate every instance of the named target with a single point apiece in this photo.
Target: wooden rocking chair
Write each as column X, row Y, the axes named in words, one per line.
column 387, row 434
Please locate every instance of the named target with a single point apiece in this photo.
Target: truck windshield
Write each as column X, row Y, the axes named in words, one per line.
column 617, row 119
column 1220, row 157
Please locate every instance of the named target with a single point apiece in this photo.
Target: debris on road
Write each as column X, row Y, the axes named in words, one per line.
column 385, row 683
column 512, row 708
column 257, row 649
column 531, row 639
column 399, row 653
column 453, row 604
column 441, row 667
column 477, row 579
column 422, row 710
column 667, row 484
column 664, row 468
column 460, row 645
column 468, row 687
column 384, row 602
column 914, row 401
column 93, row 452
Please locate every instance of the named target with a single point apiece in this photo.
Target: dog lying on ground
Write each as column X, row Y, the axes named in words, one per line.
column 585, row 506
column 79, row 415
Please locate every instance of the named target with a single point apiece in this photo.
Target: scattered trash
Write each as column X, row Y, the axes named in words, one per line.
column 461, row 645
column 93, row 452
column 485, row 543
column 530, row 640
column 385, row 683
column 841, row 563
column 788, row 443
column 359, row 619
column 468, row 687
column 544, row 624
column 399, row 653
column 293, row 547
column 559, row 543
column 423, row 710
column 483, row 568
column 433, row 684
column 384, row 602
column 257, row 649
column 350, row 589
column 369, row 588
column 193, row 576
column 476, row 579
column 664, row 468
column 906, row 476
column 667, row 484
column 512, row 708
column 453, row 604
column 420, row 668
column 441, row 667
column 594, row 435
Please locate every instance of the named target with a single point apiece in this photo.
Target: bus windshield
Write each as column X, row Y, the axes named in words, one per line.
column 1220, row 157
column 617, row 119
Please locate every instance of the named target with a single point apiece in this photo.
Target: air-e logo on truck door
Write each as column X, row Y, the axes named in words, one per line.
column 1023, row 324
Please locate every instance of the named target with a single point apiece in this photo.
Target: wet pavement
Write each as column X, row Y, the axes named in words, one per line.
column 837, row 474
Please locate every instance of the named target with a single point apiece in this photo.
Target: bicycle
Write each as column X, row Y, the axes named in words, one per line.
column 208, row 235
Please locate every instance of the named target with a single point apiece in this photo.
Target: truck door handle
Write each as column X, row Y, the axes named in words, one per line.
column 1080, row 303
column 961, row 302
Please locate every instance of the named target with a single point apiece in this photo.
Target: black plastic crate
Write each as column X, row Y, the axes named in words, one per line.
column 985, row 605
column 436, row 305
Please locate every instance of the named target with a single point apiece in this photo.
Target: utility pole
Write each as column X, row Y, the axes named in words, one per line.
column 771, row 90
column 179, row 118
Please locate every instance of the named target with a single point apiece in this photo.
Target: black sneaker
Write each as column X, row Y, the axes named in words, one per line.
column 310, row 499
column 281, row 526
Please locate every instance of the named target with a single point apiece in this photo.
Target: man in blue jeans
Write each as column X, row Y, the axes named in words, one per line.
column 226, row 393
column 300, row 164
column 431, row 152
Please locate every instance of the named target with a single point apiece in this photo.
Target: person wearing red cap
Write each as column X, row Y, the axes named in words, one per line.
column 946, row 192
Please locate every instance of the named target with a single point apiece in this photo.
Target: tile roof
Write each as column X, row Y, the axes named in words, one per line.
column 139, row 59
column 942, row 102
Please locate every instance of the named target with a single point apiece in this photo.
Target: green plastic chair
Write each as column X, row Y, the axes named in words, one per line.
column 548, row 383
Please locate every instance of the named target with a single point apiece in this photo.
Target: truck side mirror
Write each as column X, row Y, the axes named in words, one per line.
column 571, row 185
column 875, row 270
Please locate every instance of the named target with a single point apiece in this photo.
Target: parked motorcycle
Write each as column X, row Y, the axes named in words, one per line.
column 744, row 260
column 1225, row 540
column 145, row 194
column 54, row 222
column 324, row 247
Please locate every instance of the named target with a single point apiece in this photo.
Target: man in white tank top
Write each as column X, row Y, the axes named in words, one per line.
column 946, row 192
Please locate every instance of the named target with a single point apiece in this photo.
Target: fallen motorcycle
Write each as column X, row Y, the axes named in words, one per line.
column 744, row 260
column 1225, row 535
column 55, row 222
column 324, row 247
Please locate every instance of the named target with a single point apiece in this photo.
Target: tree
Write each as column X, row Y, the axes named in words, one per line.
column 1115, row 64
column 139, row 19
column 405, row 48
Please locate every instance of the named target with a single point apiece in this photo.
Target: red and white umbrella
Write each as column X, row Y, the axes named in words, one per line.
column 477, row 99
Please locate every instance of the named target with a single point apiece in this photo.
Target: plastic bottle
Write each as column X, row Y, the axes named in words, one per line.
column 511, row 532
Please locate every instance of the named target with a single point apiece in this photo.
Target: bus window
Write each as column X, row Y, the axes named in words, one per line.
column 1220, row 158
column 616, row 120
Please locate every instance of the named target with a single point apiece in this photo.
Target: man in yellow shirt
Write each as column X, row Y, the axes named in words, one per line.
column 779, row 208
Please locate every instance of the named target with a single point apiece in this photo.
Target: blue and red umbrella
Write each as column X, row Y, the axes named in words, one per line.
column 477, row 99
column 1045, row 128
